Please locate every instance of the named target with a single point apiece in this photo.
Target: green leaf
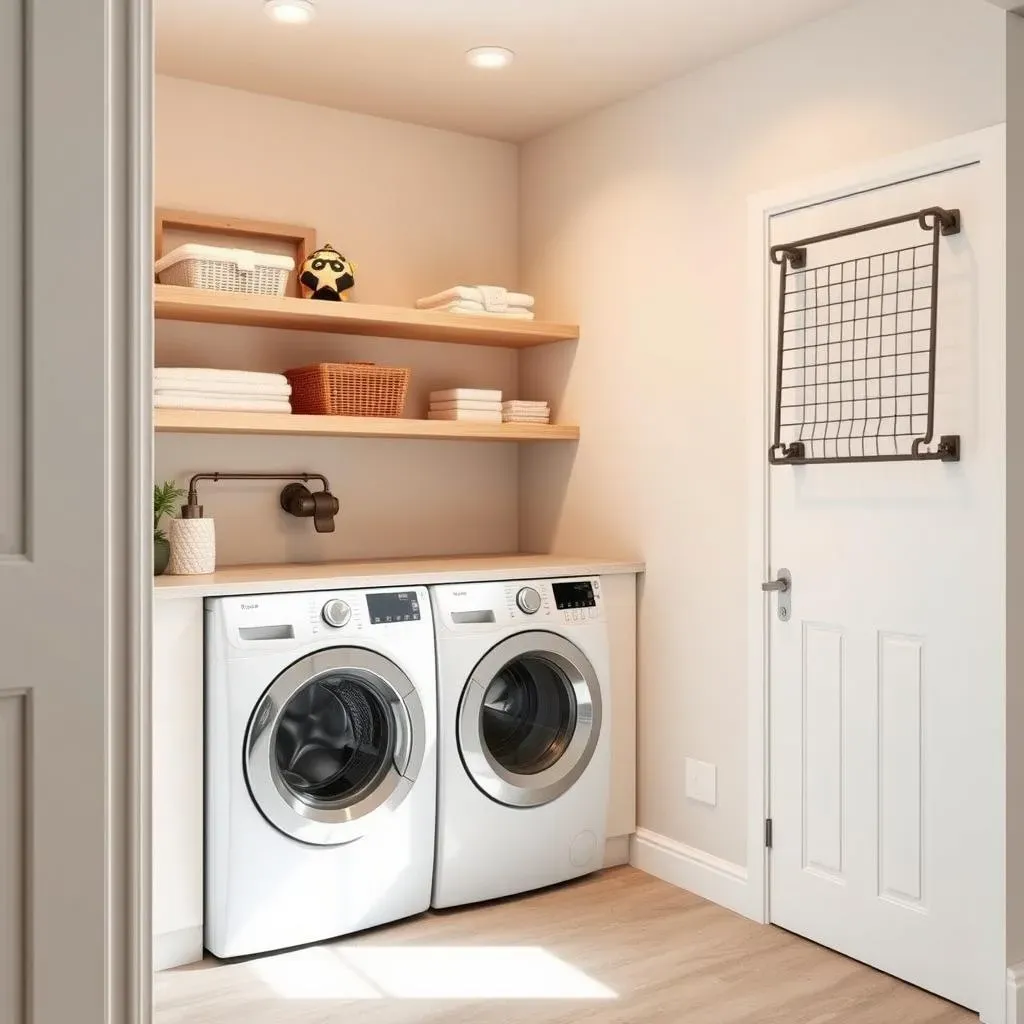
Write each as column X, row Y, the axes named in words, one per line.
column 165, row 499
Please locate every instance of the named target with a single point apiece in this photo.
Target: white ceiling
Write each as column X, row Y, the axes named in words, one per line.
column 403, row 59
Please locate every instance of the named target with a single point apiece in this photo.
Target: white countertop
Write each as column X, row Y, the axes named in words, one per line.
column 272, row 579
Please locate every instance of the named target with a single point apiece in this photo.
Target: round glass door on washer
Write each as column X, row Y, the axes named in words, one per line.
column 337, row 735
column 320, row 764
column 530, row 718
column 523, row 764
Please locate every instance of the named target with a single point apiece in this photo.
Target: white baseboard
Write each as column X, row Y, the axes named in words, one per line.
column 175, row 949
column 710, row 877
column 616, row 852
column 1015, row 994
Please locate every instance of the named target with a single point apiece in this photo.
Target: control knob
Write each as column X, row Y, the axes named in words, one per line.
column 528, row 600
column 336, row 613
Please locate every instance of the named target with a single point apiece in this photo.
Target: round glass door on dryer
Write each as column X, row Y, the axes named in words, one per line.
column 529, row 719
column 338, row 735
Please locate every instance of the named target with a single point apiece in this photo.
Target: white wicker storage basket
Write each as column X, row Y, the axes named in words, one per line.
column 225, row 270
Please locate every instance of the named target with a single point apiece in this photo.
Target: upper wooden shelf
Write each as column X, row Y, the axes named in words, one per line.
column 292, row 314
column 187, row 421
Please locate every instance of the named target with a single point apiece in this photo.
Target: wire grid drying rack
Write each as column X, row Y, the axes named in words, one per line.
column 855, row 364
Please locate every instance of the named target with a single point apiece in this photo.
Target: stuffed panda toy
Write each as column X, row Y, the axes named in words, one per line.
column 328, row 275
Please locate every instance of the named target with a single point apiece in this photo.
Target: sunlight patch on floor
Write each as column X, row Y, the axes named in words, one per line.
column 426, row 972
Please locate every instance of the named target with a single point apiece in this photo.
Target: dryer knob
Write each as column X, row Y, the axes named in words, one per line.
column 528, row 600
column 336, row 613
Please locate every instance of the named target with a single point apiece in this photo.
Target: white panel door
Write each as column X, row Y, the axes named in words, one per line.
column 70, row 506
column 880, row 749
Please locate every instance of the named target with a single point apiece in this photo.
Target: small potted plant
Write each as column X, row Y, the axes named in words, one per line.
column 165, row 499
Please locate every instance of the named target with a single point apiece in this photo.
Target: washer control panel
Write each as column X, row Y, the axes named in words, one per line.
column 333, row 616
column 573, row 594
column 478, row 607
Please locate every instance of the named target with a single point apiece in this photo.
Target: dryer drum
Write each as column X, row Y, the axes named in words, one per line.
column 528, row 715
column 334, row 741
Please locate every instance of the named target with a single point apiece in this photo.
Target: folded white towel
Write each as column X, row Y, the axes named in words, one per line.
column 512, row 314
column 518, row 417
column 495, row 299
column 519, row 405
column 467, row 405
column 466, row 415
column 229, row 389
column 198, row 400
column 475, row 293
column 467, row 308
column 164, row 373
column 466, row 394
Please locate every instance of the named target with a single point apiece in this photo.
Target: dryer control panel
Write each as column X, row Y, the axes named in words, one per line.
column 474, row 607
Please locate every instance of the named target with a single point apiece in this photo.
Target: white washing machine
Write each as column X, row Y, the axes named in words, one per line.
column 321, row 776
column 523, row 766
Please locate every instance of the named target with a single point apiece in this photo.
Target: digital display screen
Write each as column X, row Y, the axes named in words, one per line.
column 574, row 595
column 400, row 607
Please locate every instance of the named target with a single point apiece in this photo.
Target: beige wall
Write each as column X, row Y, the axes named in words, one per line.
column 418, row 210
column 634, row 221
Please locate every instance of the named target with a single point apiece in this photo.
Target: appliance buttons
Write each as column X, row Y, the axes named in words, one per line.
column 528, row 600
column 336, row 613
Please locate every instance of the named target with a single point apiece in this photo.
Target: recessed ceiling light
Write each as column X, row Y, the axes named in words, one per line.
column 291, row 12
column 490, row 57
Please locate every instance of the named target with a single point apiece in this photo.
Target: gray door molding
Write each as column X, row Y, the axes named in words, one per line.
column 573, row 667
column 75, row 556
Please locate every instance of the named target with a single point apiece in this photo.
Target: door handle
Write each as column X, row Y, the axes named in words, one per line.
column 783, row 586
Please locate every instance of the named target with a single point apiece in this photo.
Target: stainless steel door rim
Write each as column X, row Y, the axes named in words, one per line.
column 327, row 823
column 577, row 674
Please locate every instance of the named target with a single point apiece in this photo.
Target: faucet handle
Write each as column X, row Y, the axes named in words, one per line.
column 298, row 500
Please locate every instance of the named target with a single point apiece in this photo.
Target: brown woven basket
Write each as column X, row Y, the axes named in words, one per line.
column 348, row 389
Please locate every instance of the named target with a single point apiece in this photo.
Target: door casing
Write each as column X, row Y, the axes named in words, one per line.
column 987, row 148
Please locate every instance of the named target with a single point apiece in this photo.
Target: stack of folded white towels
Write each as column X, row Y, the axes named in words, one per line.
column 525, row 412
column 181, row 387
column 480, row 300
column 470, row 405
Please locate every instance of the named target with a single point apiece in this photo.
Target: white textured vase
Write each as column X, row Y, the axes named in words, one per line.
column 193, row 547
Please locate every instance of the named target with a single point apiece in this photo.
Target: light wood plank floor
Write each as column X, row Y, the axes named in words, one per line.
column 618, row 948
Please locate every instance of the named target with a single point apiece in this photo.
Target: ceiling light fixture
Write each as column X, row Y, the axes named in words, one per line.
column 290, row 12
column 490, row 57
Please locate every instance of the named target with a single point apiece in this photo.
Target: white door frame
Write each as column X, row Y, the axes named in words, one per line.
column 988, row 148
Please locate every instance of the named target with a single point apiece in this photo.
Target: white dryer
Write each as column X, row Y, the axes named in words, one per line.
column 321, row 723
column 523, row 743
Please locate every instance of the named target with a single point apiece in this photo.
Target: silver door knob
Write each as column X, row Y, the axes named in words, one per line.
column 783, row 586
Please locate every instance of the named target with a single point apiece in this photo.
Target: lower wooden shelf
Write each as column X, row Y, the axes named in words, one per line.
column 187, row 421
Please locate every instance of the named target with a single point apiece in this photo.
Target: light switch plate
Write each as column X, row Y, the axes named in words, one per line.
column 701, row 782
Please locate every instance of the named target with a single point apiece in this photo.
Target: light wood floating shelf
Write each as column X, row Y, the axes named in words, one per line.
column 187, row 421
column 292, row 314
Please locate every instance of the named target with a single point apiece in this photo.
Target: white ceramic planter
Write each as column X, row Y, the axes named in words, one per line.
column 193, row 547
